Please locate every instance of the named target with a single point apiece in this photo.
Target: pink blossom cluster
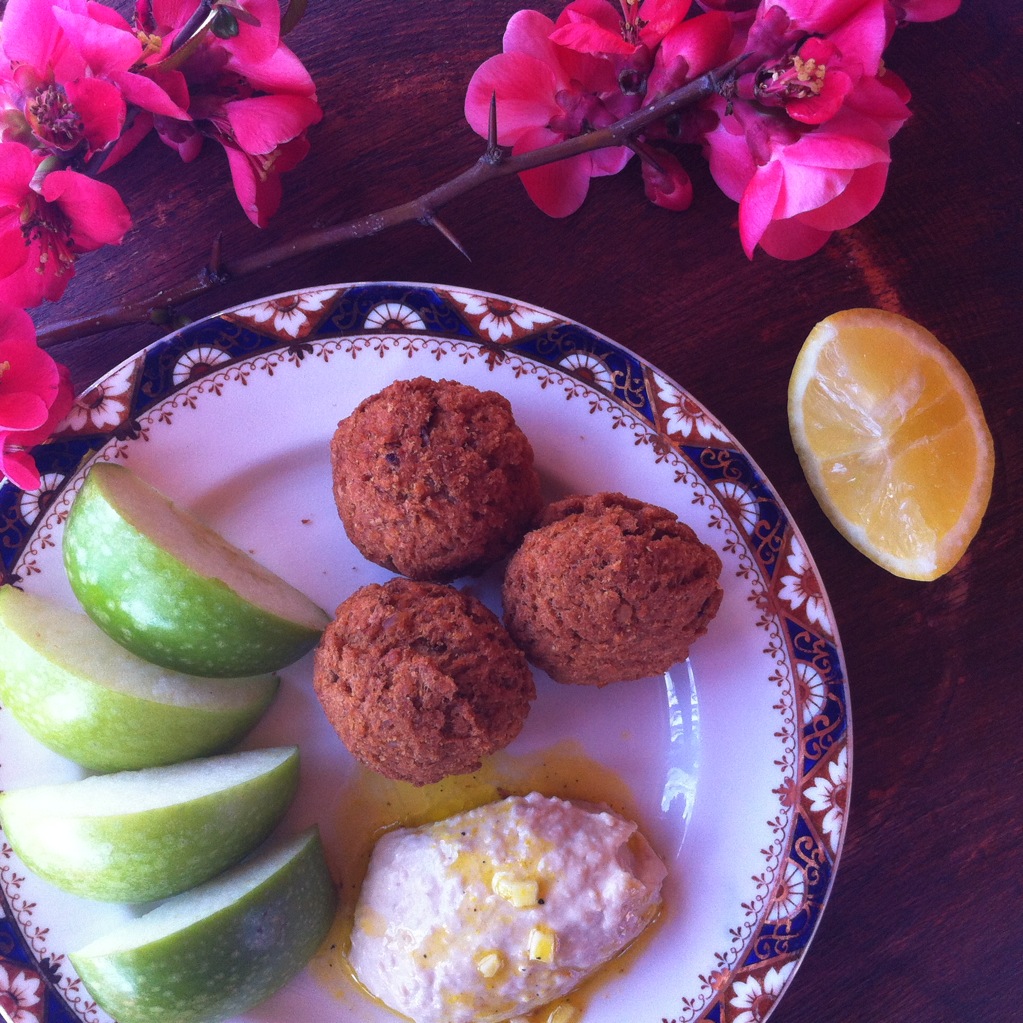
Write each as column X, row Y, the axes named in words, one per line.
column 80, row 87
column 800, row 138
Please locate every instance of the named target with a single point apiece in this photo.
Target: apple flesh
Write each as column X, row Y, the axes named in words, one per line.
column 87, row 698
column 216, row 951
column 172, row 590
column 136, row 836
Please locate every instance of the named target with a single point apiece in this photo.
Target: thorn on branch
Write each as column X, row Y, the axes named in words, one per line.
column 494, row 153
column 724, row 78
column 646, row 153
column 200, row 16
column 213, row 273
column 292, row 16
column 433, row 221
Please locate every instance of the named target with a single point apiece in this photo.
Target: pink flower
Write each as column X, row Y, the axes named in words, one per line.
column 796, row 185
column 45, row 224
column 73, row 73
column 804, row 144
column 35, row 395
column 547, row 93
column 596, row 27
column 628, row 39
column 810, row 83
column 249, row 92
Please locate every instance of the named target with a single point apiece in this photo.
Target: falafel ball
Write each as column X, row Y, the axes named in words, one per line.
column 421, row 680
column 608, row 589
column 433, row 479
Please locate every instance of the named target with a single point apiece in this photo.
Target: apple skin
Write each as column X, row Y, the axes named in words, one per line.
column 115, row 845
column 170, row 589
column 224, row 947
column 87, row 698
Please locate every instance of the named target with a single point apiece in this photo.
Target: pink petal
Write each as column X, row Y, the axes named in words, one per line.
column 16, row 327
column 792, row 239
column 529, row 32
column 758, row 203
column 926, row 10
column 858, row 28
column 604, row 162
column 731, row 162
column 822, row 107
column 821, row 16
column 98, row 215
column 262, row 123
column 607, row 17
column 102, row 46
column 29, row 368
column 13, row 250
column 256, row 43
column 860, row 196
column 702, row 42
column 129, row 139
column 171, row 15
column 35, row 392
column 591, row 26
column 257, row 187
column 660, row 17
column 558, row 189
column 525, row 89
column 281, row 71
column 17, row 165
column 35, row 282
column 30, row 33
column 60, row 406
column 883, row 101
column 667, row 185
column 101, row 107
column 21, row 411
column 18, row 466
column 817, row 149
column 153, row 94
column 106, row 14
column 808, row 188
column 259, row 195
column 585, row 37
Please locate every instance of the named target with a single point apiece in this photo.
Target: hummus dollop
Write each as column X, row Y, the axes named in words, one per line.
column 497, row 911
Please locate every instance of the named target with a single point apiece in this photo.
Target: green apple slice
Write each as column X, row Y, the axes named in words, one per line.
column 87, row 698
column 136, row 836
column 172, row 590
column 219, row 949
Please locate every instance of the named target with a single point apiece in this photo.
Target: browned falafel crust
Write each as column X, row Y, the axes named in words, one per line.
column 608, row 589
column 421, row 680
column 433, row 479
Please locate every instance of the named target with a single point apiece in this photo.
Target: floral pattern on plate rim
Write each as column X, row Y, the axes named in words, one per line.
column 748, row 977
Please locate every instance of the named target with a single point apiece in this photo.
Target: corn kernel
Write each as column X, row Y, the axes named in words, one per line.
column 541, row 945
column 489, row 963
column 564, row 1013
column 520, row 893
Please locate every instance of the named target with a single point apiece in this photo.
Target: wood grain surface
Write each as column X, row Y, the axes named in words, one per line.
column 923, row 921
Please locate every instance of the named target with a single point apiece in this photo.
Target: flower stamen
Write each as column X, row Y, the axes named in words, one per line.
column 50, row 226
column 53, row 118
column 791, row 78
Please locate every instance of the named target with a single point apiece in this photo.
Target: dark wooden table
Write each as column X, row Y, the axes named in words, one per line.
column 923, row 921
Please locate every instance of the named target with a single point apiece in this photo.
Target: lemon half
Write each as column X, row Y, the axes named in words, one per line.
column 892, row 440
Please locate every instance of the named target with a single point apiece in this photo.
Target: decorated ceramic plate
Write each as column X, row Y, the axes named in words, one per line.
column 736, row 763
